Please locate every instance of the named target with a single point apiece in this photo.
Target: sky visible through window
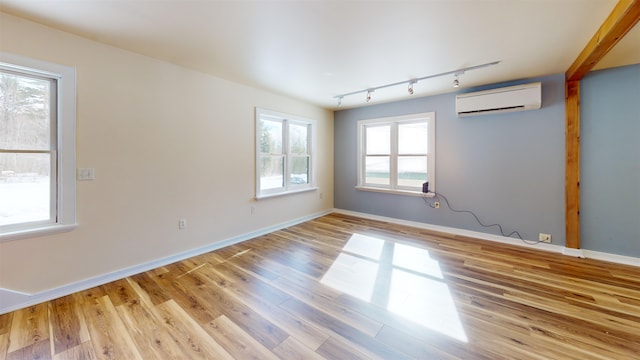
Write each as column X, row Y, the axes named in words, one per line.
column 412, row 150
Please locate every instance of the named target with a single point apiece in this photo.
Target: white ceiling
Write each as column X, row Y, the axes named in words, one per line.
column 315, row 50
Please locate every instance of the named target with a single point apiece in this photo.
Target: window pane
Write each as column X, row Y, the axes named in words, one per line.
column 378, row 139
column 299, row 170
column 25, row 112
column 24, row 188
column 412, row 171
column 271, row 172
column 377, row 170
column 270, row 137
column 298, row 139
column 412, row 138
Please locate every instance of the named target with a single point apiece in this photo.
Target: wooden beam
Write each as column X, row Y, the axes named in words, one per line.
column 623, row 17
column 572, row 168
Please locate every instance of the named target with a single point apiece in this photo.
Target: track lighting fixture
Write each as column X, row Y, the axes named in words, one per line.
column 410, row 88
column 456, row 82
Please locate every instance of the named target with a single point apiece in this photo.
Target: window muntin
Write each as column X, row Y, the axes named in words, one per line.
column 397, row 154
column 285, row 156
column 37, row 132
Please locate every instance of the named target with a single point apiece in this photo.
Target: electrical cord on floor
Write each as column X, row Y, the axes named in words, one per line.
column 438, row 196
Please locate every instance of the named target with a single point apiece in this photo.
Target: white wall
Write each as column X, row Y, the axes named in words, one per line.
column 167, row 143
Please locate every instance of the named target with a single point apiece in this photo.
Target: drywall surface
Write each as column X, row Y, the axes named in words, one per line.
column 610, row 161
column 507, row 168
column 167, row 143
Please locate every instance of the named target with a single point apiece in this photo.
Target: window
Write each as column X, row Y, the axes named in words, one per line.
column 37, row 147
column 397, row 154
column 284, row 153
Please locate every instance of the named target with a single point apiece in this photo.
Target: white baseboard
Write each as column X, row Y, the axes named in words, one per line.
column 615, row 258
column 573, row 252
column 11, row 300
column 581, row 253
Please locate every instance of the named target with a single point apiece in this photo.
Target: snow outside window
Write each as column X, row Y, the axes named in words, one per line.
column 397, row 154
column 37, row 147
column 284, row 153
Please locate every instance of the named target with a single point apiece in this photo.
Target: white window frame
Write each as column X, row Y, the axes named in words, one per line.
column 393, row 121
column 286, row 120
column 63, row 175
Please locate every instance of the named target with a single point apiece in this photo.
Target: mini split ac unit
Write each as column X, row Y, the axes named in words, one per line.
column 506, row 99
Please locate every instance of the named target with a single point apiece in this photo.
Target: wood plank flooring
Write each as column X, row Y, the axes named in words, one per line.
column 341, row 287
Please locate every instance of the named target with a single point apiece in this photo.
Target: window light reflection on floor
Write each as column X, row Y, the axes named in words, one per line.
column 415, row 259
column 352, row 275
column 366, row 246
column 400, row 277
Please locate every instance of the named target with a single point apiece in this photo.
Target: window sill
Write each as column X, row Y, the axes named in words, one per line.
column 396, row 191
column 36, row 231
column 297, row 191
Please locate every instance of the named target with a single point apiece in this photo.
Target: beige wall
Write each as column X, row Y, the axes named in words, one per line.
column 167, row 143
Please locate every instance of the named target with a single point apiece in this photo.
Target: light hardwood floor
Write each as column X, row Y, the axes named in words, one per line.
column 341, row 287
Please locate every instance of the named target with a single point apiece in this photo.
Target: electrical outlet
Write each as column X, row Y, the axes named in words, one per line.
column 253, row 209
column 544, row 238
column 86, row 174
column 182, row 224
column 436, row 204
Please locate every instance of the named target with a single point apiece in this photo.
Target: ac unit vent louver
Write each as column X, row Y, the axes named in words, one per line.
column 506, row 99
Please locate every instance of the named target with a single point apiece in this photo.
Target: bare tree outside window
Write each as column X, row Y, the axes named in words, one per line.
column 284, row 153
column 26, row 148
column 299, row 153
column 272, row 155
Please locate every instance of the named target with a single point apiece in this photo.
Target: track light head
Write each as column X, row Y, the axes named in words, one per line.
column 410, row 88
column 456, row 82
column 411, row 82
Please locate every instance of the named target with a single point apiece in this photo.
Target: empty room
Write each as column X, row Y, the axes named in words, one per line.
column 202, row 179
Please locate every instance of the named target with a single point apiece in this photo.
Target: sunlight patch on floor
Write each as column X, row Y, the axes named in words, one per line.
column 409, row 282
column 425, row 301
column 363, row 245
column 352, row 275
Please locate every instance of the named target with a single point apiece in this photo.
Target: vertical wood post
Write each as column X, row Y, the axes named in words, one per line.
column 572, row 168
column 624, row 16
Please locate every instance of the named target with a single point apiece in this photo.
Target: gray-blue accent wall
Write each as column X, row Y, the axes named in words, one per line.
column 506, row 168
column 610, row 161
column 509, row 168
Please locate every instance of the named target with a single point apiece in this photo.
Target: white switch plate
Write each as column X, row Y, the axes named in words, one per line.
column 86, row 174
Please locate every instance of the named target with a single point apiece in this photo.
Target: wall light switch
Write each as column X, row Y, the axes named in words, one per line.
column 86, row 174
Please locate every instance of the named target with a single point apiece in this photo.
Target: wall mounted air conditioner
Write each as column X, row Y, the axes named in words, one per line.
column 506, row 99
